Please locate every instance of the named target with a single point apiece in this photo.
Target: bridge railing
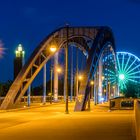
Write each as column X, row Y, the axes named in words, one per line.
column 137, row 119
column 122, row 104
column 37, row 99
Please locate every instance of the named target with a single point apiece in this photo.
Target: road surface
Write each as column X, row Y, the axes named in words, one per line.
column 51, row 123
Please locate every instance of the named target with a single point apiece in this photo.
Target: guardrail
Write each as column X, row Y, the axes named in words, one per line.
column 122, row 104
column 38, row 99
column 137, row 119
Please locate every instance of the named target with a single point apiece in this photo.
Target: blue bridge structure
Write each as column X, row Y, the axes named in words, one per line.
column 97, row 44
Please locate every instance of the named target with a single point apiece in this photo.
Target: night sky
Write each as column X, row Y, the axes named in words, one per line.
column 29, row 21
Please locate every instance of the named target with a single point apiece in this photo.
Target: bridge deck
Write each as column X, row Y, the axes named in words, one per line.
column 51, row 123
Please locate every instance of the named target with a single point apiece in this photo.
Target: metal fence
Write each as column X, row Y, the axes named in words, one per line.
column 38, row 99
column 122, row 104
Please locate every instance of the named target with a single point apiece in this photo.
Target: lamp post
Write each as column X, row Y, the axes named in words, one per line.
column 53, row 49
column 58, row 70
column 114, row 91
column 108, row 91
column 1, row 54
column 78, row 79
column 44, row 85
column 91, row 84
column 66, row 70
column 51, row 86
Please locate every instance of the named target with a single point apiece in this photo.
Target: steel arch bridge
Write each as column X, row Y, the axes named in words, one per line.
column 95, row 42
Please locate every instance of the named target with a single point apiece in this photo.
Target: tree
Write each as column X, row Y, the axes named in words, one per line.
column 4, row 87
column 131, row 90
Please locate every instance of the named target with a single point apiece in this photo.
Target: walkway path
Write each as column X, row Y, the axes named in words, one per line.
column 51, row 123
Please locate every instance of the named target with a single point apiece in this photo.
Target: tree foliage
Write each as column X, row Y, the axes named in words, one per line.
column 131, row 90
column 4, row 87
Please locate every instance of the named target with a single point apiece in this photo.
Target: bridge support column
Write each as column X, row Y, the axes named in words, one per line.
column 96, row 87
column 100, row 81
column 44, row 85
column 55, row 77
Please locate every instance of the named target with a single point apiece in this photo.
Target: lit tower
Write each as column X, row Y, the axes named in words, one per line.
column 19, row 60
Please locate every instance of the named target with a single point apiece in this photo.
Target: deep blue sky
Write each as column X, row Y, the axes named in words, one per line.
column 29, row 21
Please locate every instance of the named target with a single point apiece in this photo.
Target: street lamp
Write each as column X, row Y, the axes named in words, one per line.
column 113, row 91
column 91, row 84
column 51, row 86
column 103, row 78
column 80, row 77
column 66, row 68
column 108, row 90
column 59, row 70
column 53, row 48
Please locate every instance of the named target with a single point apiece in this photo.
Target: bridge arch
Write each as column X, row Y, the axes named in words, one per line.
column 97, row 36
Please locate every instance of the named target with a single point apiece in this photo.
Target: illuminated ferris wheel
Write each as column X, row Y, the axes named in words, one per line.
column 128, row 68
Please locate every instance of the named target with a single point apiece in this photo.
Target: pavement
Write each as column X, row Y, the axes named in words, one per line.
column 51, row 123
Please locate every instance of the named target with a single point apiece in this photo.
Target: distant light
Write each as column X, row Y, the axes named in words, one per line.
column 1, row 49
column 58, row 70
column 20, row 47
column 50, row 94
column 102, row 99
column 80, row 77
column 121, row 76
column 23, row 53
column 104, row 90
column 92, row 82
column 20, row 52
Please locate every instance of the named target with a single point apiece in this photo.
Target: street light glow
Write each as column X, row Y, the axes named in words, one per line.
column 58, row 70
column 92, row 82
column 80, row 77
column 104, row 90
column 103, row 77
column 53, row 48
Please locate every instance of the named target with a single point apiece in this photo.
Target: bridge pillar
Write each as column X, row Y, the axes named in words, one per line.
column 55, row 77
column 95, row 88
column 100, row 81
